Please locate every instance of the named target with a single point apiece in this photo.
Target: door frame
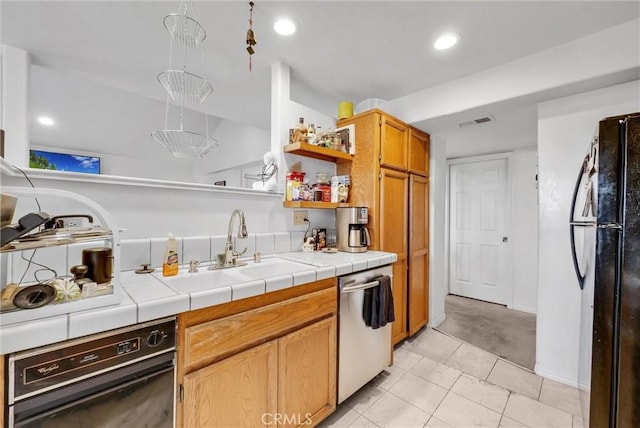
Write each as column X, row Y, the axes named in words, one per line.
column 508, row 231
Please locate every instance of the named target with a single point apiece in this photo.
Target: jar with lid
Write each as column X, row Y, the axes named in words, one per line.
column 323, row 184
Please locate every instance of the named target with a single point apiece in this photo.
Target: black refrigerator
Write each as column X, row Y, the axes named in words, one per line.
column 605, row 238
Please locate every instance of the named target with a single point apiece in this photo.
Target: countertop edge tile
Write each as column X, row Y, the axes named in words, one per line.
column 18, row 337
column 206, row 298
column 162, row 307
column 244, row 290
column 279, row 282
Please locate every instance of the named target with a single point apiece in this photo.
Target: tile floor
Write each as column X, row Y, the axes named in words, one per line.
column 439, row 381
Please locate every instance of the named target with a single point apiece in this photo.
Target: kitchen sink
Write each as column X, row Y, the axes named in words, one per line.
column 205, row 279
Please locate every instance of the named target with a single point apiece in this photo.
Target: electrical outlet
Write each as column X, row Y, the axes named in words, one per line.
column 72, row 222
column 299, row 216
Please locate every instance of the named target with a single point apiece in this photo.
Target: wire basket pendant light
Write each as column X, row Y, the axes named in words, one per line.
column 184, row 87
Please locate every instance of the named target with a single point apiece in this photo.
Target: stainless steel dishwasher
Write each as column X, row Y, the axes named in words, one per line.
column 123, row 377
column 363, row 351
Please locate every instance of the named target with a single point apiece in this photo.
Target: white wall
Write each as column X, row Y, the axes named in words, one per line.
column 565, row 128
column 437, row 230
column 524, row 229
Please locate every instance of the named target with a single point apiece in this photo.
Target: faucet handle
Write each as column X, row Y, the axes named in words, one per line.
column 193, row 266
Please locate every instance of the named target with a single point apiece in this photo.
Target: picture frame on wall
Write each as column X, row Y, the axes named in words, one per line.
column 66, row 162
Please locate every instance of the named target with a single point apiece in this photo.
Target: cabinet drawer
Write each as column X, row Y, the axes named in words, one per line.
column 213, row 340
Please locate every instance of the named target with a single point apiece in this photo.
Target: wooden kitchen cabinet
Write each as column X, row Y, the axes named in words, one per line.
column 418, row 292
column 266, row 360
column 307, row 373
column 389, row 174
column 393, row 143
column 393, row 238
column 234, row 392
column 418, row 152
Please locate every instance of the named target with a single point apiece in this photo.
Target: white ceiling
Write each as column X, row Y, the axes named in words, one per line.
column 349, row 50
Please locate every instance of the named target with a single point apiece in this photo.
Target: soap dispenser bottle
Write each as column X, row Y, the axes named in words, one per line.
column 170, row 261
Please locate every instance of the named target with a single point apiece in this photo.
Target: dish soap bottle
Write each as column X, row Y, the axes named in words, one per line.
column 170, row 261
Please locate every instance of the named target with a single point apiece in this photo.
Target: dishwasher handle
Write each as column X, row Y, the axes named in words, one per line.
column 362, row 286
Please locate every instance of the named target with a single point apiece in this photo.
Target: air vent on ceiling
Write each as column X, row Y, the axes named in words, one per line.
column 478, row 121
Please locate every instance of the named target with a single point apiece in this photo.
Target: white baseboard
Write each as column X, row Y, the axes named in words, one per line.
column 436, row 322
column 541, row 371
column 522, row 308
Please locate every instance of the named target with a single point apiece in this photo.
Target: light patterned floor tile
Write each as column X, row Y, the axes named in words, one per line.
column 436, row 346
column 472, row 360
column 536, row 414
column 578, row 422
column 419, row 392
column 481, row 392
column 506, row 422
column 561, row 396
column 363, row 422
column 515, row 379
column 389, row 376
column 461, row 412
column 342, row 417
column 364, row 398
column 436, row 423
column 405, row 359
column 391, row 411
column 437, row 373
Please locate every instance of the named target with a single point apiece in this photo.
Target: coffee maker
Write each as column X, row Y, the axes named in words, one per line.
column 352, row 235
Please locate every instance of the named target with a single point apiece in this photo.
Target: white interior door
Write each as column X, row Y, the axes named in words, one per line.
column 478, row 230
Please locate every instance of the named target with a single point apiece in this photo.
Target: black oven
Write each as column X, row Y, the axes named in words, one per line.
column 121, row 378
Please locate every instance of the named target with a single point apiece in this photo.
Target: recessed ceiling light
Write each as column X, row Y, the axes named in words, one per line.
column 446, row 41
column 284, row 27
column 46, row 121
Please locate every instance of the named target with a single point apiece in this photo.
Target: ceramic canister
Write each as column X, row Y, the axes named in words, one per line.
column 99, row 262
column 345, row 109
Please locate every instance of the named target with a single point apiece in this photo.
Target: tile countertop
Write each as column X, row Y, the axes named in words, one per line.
column 147, row 297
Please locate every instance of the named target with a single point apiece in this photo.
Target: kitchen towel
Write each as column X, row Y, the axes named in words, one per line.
column 377, row 307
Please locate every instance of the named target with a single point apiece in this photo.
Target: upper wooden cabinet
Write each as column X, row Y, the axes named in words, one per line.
column 418, row 152
column 394, row 137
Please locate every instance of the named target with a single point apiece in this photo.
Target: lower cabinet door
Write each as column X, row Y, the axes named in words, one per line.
column 307, row 374
column 239, row 391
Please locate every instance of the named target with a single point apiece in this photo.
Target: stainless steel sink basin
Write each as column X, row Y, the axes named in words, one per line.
column 205, row 279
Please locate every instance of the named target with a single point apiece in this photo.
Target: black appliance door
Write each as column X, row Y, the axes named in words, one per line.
column 629, row 363
column 132, row 396
column 605, row 372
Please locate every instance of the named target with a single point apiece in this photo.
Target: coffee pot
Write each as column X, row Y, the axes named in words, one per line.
column 352, row 235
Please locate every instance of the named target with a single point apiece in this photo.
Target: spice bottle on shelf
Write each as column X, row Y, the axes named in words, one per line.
column 312, row 138
column 300, row 132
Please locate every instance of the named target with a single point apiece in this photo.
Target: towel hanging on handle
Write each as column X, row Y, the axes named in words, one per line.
column 377, row 306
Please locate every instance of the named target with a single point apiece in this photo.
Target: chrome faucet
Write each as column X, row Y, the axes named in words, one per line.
column 230, row 255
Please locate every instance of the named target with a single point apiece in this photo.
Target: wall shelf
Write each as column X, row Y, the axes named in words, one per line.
column 314, row 204
column 316, row 152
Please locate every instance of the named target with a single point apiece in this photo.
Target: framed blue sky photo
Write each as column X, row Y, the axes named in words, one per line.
column 64, row 162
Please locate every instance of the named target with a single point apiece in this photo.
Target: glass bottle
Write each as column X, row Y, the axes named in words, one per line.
column 300, row 132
